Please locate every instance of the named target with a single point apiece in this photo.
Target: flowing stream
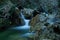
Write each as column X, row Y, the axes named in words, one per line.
column 25, row 27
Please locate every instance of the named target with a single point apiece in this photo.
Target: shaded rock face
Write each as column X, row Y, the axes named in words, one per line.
column 10, row 16
column 4, row 15
column 34, row 20
column 38, row 17
column 35, row 13
column 15, row 18
column 38, row 21
column 56, row 30
column 19, row 7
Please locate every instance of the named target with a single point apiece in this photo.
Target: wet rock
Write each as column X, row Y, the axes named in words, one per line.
column 15, row 17
column 38, row 21
column 56, row 28
column 43, row 16
column 27, row 13
column 34, row 20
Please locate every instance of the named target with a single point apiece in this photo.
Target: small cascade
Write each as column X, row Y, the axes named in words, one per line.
column 26, row 26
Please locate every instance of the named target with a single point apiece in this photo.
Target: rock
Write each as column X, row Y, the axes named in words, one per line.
column 43, row 17
column 44, row 29
column 49, row 5
column 10, row 16
column 27, row 13
column 15, row 17
column 35, row 12
column 20, row 7
column 38, row 21
column 4, row 15
column 34, row 20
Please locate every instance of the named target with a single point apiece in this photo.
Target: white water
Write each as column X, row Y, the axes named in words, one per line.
column 26, row 26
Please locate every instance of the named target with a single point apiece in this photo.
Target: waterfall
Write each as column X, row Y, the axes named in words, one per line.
column 22, row 15
column 26, row 26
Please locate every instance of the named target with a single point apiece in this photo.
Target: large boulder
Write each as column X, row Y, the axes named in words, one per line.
column 46, row 26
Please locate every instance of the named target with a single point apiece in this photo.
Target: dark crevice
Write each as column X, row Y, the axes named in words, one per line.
column 56, row 30
column 35, row 13
column 46, row 24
